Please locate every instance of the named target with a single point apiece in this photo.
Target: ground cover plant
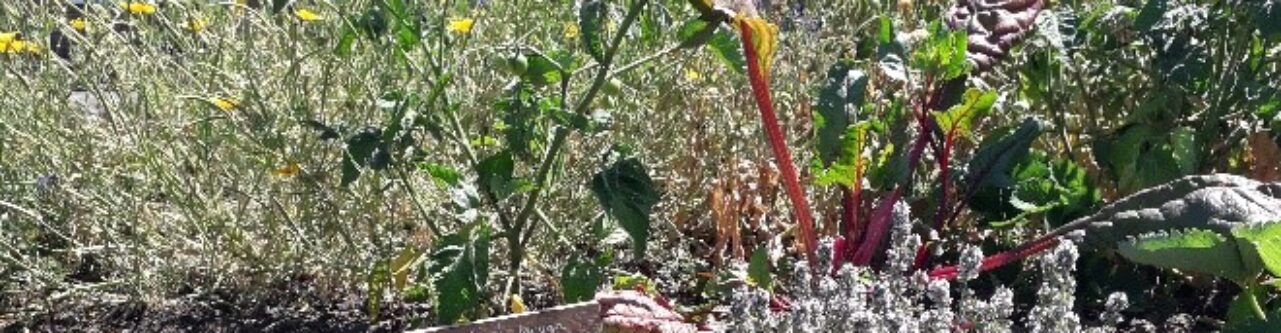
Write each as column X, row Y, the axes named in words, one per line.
column 808, row 166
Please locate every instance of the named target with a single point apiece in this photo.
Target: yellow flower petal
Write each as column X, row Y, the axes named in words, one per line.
column 80, row 24
column 517, row 304
column 287, row 170
column 19, row 46
column 571, row 30
column 692, row 75
column 7, row 37
column 196, row 25
column 140, row 8
column 308, row 15
column 460, row 26
column 226, row 104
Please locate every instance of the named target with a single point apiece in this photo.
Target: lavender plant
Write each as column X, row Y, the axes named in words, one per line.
column 900, row 299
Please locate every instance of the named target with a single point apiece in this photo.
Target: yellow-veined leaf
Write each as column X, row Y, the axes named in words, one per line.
column 764, row 39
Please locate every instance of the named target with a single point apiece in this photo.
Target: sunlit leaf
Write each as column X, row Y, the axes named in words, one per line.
column 838, row 104
column 1191, row 250
column 1260, row 246
column 727, row 49
column 957, row 120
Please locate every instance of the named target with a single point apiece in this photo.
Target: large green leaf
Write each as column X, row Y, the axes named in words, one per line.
column 1191, row 250
column 838, row 103
column 591, row 21
column 1260, row 246
column 1056, row 189
column 627, row 193
column 460, row 269
column 993, row 163
column 581, row 276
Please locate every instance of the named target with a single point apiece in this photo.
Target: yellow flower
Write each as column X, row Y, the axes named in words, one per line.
column 517, row 304
column 196, row 25
column 12, row 46
column 80, row 24
column 460, row 26
column 571, row 30
column 7, row 37
column 226, row 104
column 140, row 8
column 287, row 170
column 307, row 15
column 692, row 75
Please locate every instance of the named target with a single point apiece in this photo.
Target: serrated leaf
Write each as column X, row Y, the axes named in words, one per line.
column 1192, row 250
column 1260, row 246
column 628, row 194
column 957, row 120
column 459, row 269
column 591, row 21
column 838, row 103
column 728, row 51
column 758, row 272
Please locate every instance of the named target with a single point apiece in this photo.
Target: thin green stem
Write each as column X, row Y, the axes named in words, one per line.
column 558, row 142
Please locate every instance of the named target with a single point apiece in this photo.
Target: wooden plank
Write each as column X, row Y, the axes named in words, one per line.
column 572, row 318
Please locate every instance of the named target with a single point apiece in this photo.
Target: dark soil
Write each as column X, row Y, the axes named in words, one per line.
column 295, row 308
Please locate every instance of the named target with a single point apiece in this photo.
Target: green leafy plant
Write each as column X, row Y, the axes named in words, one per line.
column 1250, row 250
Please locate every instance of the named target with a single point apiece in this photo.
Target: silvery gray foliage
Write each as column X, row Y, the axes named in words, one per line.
column 898, row 299
column 1053, row 312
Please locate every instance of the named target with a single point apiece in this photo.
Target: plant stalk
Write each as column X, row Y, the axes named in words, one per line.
column 778, row 143
column 558, row 142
